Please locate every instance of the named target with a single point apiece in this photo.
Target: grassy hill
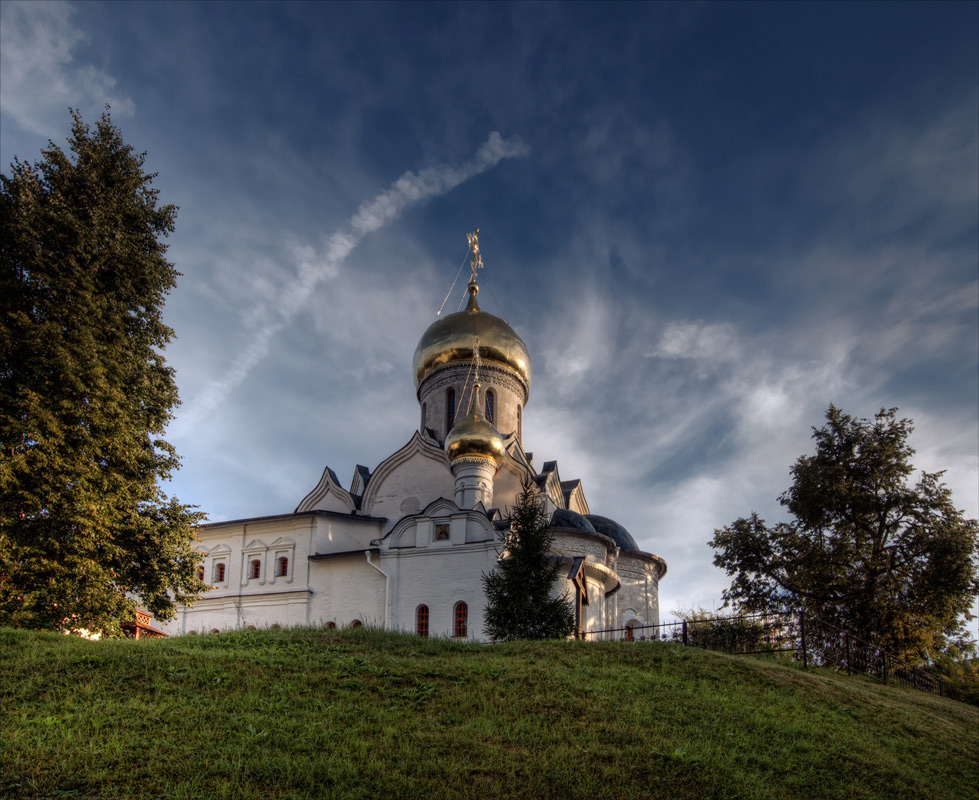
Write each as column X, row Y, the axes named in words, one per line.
column 364, row 714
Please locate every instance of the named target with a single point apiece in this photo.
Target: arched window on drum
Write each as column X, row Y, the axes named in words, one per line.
column 490, row 405
column 450, row 409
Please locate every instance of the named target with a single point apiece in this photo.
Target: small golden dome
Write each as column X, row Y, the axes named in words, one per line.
column 474, row 437
column 451, row 339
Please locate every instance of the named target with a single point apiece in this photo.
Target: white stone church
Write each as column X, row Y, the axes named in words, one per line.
column 404, row 546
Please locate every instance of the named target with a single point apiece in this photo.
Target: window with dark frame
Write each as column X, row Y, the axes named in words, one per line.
column 254, row 568
column 219, row 572
column 490, row 407
column 421, row 621
column 461, row 619
column 450, row 409
column 281, row 566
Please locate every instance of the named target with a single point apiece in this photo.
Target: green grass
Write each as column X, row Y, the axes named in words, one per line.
column 364, row 714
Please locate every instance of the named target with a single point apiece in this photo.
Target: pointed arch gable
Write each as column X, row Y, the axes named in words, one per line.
column 514, row 472
column 440, row 507
column 479, row 523
column 574, row 497
column 361, row 478
column 328, row 495
column 396, row 479
column 549, row 481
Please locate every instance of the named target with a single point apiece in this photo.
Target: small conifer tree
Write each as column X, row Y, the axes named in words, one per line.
column 522, row 604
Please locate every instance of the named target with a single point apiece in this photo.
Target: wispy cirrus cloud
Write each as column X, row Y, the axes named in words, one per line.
column 41, row 78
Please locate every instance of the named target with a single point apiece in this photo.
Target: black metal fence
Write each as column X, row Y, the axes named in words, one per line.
column 797, row 636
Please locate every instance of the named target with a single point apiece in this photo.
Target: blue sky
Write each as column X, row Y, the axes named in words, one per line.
column 707, row 221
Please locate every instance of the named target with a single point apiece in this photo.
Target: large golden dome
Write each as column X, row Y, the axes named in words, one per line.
column 451, row 339
column 474, row 437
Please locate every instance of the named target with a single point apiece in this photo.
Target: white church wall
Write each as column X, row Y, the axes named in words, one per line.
column 439, row 578
column 409, row 487
column 346, row 589
column 639, row 595
column 334, row 534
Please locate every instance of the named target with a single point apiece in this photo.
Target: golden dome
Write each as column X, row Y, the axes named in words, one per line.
column 474, row 437
column 451, row 339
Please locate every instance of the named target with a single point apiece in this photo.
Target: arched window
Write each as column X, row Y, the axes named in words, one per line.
column 356, row 624
column 215, row 630
column 519, row 425
column 461, row 619
column 490, row 407
column 450, row 409
column 219, row 572
column 424, row 415
column 254, row 568
column 629, row 634
column 331, row 625
column 421, row 621
column 200, row 572
column 281, row 566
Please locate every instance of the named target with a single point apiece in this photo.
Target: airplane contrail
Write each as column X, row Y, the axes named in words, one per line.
column 387, row 206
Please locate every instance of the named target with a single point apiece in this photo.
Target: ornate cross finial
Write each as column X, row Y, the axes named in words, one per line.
column 476, row 361
column 477, row 260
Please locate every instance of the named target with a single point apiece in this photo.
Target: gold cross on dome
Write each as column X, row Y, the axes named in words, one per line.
column 477, row 360
column 477, row 260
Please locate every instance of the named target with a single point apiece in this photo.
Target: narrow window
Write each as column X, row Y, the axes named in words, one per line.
column 519, row 425
column 254, row 568
column 421, row 621
column 629, row 634
column 200, row 572
column 356, row 624
column 424, row 415
column 281, row 566
column 219, row 572
column 461, row 619
column 490, row 407
column 450, row 410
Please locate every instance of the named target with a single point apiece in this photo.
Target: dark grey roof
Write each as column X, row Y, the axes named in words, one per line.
column 613, row 530
column 562, row 518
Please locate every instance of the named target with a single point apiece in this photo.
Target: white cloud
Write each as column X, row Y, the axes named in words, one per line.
column 686, row 339
column 40, row 77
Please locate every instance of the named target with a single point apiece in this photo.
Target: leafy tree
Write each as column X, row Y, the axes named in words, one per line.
column 85, row 394
column 867, row 551
column 520, row 591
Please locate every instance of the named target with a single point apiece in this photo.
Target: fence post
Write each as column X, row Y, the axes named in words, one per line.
column 802, row 631
column 846, row 636
column 684, row 632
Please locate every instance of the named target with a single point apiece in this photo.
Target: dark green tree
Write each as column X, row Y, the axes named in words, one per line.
column 520, row 591
column 867, row 551
column 86, row 533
